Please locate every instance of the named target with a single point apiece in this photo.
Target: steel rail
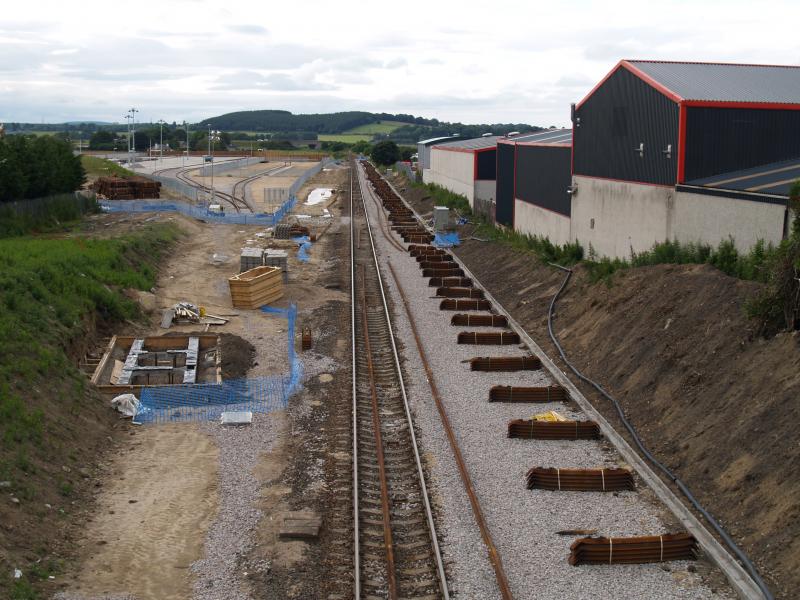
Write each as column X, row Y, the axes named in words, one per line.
column 494, row 555
column 414, row 444
column 356, row 557
column 391, row 574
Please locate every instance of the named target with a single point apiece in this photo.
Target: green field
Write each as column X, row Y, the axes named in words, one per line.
column 373, row 128
column 347, row 138
column 100, row 167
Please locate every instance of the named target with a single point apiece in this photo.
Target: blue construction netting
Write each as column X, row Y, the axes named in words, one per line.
column 446, row 240
column 207, row 401
column 303, row 246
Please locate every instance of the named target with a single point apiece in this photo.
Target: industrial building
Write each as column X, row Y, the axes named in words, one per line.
column 424, row 150
column 697, row 152
column 533, row 184
column 468, row 167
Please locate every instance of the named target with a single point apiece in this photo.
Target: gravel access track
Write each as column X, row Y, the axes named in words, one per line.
column 231, row 536
column 522, row 522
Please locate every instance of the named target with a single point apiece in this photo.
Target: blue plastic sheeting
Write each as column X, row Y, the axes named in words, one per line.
column 207, row 401
column 446, row 240
column 198, row 212
column 304, row 245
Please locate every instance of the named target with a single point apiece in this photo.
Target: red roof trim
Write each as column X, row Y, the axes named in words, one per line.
column 641, row 75
column 735, row 104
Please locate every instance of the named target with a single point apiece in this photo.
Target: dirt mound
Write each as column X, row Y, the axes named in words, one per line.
column 712, row 400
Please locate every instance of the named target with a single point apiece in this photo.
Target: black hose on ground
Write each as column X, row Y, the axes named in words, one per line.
column 746, row 562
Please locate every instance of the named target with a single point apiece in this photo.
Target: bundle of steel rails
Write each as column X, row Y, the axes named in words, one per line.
column 580, row 480
column 553, row 430
column 479, row 320
column 505, row 363
column 633, row 550
column 508, row 393
column 489, row 338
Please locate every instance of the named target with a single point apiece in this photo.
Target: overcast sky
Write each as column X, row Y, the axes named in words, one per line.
column 476, row 62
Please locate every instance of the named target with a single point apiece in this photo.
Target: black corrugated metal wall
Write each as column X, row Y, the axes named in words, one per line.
column 621, row 113
column 504, row 212
column 487, row 164
column 543, row 176
column 721, row 140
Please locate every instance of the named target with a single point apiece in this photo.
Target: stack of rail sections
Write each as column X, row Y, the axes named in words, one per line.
column 132, row 188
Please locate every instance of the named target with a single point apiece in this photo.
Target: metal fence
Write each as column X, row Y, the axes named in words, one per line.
column 199, row 212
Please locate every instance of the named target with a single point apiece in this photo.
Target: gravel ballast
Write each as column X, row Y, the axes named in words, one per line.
column 522, row 522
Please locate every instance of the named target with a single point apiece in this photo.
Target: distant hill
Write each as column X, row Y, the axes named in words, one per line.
column 399, row 127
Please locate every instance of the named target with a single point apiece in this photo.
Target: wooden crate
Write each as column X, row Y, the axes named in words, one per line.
column 256, row 287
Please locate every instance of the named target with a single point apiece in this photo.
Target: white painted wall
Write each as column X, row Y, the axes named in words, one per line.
column 712, row 219
column 631, row 216
column 535, row 220
column 615, row 217
column 485, row 189
column 452, row 170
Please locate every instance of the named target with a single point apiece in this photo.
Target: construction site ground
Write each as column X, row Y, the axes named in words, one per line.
column 163, row 488
column 711, row 398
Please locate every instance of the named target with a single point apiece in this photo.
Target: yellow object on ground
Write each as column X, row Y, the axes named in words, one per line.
column 202, row 311
column 550, row 415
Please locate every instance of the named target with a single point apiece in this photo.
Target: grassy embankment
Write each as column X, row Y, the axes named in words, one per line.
column 100, row 167
column 54, row 294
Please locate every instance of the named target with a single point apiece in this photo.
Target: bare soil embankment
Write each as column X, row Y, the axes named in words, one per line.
column 716, row 403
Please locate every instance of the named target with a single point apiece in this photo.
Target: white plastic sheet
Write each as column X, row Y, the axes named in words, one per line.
column 127, row 404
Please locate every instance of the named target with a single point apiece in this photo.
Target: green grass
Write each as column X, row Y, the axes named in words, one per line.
column 347, row 138
column 546, row 251
column 444, row 197
column 100, row 167
column 47, row 289
column 752, row 265
column 373, row 128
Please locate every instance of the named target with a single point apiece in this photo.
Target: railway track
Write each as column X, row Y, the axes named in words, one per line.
column 396, row 551
column 236, row 200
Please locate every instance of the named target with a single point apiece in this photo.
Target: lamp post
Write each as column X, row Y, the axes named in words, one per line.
column 186, row 127
column 212, row 136
column 161, row 142
column 132, row 150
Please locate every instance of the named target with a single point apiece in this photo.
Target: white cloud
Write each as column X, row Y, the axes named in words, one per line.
column 456, row 60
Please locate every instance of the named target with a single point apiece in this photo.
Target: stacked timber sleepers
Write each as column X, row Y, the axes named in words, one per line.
column 553, row 430
column 505, row 363
column 479, row 320
column 453, row 304
column 489, row 338
column 633, row 550
column 129, row 188
column 580, row 480
column 256, row 287
column 509, row 393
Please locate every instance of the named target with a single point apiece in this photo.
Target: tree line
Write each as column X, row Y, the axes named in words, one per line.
column 35, row 167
